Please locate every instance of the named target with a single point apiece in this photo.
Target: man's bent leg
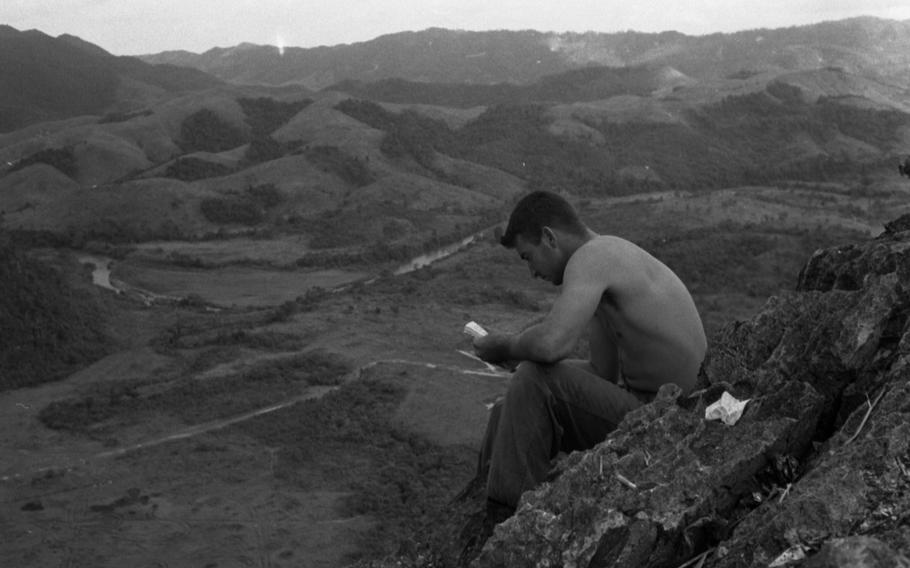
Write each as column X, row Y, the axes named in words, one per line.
column 549, row 408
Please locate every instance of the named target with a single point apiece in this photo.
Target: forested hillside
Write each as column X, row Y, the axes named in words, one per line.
column 768, row 136
column 48, row 328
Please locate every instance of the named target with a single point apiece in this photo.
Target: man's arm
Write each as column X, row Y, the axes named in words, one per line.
column 554, row 338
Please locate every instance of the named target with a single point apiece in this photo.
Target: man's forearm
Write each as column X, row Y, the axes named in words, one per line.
column 534, row 344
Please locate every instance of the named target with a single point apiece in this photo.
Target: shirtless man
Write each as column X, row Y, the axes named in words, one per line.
column 643, row 331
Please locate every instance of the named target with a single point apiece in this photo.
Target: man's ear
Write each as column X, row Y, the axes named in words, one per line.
column 548, row 236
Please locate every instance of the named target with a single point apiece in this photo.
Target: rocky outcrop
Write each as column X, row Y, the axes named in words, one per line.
column 816, row 472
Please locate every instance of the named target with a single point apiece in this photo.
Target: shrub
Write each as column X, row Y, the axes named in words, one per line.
column 205, row 131
column 247, row 208
column 265, row 115
column 263, row 149
column 61, row 158
column 232, row 209
column 334, row 160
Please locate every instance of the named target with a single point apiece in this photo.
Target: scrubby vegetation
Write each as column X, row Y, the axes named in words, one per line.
column 408, row 134
column 195, row 400
column 205, row 131
column 406, row 479
column 48, row 328
column 61, row 158
column 747, row 139
column 192, row 169
column 247, row 208
column 263, row 148
column 332, row 159
column 264, row 115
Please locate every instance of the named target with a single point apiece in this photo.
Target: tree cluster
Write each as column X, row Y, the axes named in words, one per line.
column 48, row 328
column 61, row 158
column 247, row 208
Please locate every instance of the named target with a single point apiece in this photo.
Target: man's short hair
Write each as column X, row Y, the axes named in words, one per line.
column 538, row 210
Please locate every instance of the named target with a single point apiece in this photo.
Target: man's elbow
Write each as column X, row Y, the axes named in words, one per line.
column 552, row 351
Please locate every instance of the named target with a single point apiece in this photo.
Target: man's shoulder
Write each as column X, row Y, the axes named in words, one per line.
column 603, row 259
column 608, row 247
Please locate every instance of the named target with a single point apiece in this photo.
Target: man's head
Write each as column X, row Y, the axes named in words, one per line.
column 538, row 210
column 544, row 229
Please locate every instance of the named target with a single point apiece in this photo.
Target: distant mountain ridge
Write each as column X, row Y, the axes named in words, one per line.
column 576, row 85
column 44, row 78
column 859, row 45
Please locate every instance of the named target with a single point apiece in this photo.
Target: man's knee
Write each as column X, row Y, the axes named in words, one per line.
column 529, row 380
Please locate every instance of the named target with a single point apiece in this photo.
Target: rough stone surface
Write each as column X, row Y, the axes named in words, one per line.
column 857, row 552
column 815, row 473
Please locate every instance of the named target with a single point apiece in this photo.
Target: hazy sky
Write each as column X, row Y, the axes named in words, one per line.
column 130, row 27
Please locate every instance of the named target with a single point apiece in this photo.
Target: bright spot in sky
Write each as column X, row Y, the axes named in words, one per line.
column 279, row 43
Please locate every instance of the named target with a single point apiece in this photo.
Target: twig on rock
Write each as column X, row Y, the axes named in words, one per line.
column 784, row 493
column 901, row 465
column 625, row 481
column 866, row 417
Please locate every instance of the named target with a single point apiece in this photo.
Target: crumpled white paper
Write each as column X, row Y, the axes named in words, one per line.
column 727, row 409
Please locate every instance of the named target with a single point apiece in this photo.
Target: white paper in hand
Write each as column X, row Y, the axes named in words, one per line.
column 473, row 329
column 727, row 409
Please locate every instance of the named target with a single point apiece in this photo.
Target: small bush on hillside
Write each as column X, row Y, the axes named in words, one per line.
column 205, row 131
column 61, row 158
column 263, row 149
column 266, row 195
column 333, row 160
column 248, row 208
column 232, row 209
column 265, row 115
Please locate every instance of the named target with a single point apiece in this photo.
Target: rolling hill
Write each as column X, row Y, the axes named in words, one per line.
column 603, row 115
column 44, row 78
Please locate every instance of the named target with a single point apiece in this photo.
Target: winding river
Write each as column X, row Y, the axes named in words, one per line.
column 102, row 267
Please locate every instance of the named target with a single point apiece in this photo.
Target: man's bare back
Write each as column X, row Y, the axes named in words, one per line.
column 645, row 311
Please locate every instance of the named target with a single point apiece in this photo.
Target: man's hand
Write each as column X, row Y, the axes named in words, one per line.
column 493, row 348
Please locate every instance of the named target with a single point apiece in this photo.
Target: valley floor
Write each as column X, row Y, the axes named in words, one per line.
column 310, row 432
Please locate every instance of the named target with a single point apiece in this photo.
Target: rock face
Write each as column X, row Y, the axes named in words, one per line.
column 815, row 473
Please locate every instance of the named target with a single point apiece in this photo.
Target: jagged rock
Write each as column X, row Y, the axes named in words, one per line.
column 827, row 372
column 857, row 552
column 900, row 224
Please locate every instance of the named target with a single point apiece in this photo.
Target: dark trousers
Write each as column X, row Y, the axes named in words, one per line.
column 548, row 409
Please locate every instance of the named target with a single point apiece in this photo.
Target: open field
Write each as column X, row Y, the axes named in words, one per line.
column 280, row 431
column 279, row 251
column 232, row 285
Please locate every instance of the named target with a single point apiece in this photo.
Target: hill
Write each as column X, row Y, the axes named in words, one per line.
column 286, row 161
column 44, row 78
column 861, row 46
